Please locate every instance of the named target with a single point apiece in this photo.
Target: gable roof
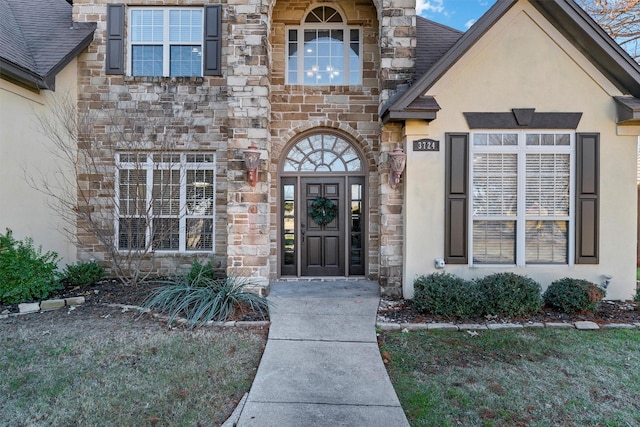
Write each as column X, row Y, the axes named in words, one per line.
column 38, row 39
column 566, row 16
column 433, row 40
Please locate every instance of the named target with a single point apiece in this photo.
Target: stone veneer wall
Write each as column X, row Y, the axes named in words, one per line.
column 397, row 67
column 248, row 80
column 187, row 114
column 251, row 104
column 389, row 47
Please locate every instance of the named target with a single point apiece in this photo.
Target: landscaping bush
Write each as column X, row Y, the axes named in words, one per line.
column 446, row 295
column 26, row 274
column 573, row 295
column 83, row 273
column 636, row 297
column 201, row 274
column 207, row 299
column 508, row 294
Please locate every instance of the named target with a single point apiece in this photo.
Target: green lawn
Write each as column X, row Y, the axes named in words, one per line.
column 118, row 372
column 531, row 377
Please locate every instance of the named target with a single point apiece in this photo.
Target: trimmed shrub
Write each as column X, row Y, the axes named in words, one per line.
column 26, row 274
column 205, row 300
column 201, row 274
column 508, row 294
column 83, row 273
column 573, row 295
column 446, row 295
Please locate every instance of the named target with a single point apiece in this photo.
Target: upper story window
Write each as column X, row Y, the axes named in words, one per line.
column 166, row 42
column 323, row 50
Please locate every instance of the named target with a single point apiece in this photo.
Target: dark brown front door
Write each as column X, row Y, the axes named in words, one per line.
column 323, row 245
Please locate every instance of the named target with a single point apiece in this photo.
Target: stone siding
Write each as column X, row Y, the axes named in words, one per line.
column 150, row 113
column 250, row 104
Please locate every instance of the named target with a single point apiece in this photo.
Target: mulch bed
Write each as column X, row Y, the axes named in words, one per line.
column 113, row 291
column 402, row 311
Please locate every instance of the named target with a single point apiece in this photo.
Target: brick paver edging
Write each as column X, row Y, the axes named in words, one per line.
column 582, row 326
column 46, row 305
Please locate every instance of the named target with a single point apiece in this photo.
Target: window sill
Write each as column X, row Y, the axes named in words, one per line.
column 159, row 79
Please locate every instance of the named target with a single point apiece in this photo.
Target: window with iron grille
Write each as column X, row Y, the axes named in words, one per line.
column 165, row 201
column 522, row 198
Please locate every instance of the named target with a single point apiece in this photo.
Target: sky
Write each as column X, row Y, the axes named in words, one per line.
column 458, row 14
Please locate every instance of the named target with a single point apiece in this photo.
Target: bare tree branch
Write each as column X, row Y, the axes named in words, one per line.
column 88, row 180
column 620, row 19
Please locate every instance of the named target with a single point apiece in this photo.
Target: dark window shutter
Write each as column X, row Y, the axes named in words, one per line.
column 212, row 40
column 114, row 62
column 457, row 196
column 587, row 197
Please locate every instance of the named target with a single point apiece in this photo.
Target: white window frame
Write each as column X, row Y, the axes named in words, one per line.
column 323, row 26
column 166, row 43
column 149, row 165
column 521, row 150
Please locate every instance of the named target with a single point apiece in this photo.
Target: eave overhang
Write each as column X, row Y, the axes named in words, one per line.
column 422, row 108
column 627, row 110
column 35, row 80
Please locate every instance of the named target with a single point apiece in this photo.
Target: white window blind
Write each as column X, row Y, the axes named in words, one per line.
column 166, row 201
column 522, row 198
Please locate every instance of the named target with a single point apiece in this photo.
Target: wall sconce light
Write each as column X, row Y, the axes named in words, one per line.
column 397, row 161
column 252, row 162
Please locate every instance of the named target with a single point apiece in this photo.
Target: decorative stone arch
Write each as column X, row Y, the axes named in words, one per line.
column 317, row 163
column 367, row 152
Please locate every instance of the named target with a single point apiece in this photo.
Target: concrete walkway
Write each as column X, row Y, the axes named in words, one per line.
column 321, row 365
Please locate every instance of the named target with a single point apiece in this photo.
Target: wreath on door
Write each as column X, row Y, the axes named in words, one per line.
column 322, row 210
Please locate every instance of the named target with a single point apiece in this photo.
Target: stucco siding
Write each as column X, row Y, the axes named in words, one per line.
column 523, row 62
column 26, row 153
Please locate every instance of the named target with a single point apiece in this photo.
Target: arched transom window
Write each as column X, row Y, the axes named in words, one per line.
column 322, row 153
column 323, row 50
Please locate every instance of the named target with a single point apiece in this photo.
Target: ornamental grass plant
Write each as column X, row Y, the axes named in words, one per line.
column 203, row 300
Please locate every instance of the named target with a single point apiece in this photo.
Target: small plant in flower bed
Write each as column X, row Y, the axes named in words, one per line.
column 201, row 273
column 446, row 295
column 573, row 295
column 26, row 274
column 508, row 294
column 203, row 300
column 83, row 273
column 636, row 297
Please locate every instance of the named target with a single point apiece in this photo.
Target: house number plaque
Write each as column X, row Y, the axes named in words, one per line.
column 426, row 145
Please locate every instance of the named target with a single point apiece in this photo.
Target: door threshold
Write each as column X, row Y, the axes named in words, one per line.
column 322, row 279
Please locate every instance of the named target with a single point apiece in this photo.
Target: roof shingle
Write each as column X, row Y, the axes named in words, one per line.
column 38, row 38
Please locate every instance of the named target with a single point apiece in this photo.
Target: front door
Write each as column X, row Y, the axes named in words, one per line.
column 322, row 206
column 322, row 238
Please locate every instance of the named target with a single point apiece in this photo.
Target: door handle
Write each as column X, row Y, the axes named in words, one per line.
column 302, row 230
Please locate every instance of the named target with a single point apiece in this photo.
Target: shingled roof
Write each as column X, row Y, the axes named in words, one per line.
column 433, row 41
column 38, row 39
